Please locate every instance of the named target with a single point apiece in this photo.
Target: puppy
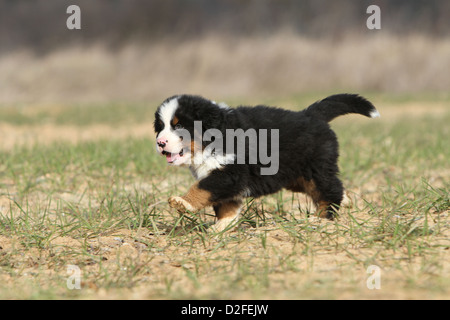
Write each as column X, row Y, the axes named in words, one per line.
column 242, row 152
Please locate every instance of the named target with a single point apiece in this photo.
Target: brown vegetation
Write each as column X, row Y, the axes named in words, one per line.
column 281, row 65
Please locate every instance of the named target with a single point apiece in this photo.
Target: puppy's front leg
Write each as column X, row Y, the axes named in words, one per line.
column 194, row 200
column 227, row 214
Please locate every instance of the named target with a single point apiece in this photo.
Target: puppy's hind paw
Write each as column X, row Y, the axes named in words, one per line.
column 180, row 204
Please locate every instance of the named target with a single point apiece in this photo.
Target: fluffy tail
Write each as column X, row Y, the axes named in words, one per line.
column 340, row 104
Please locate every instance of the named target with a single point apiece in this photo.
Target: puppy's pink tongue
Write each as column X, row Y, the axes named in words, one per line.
column 171, row 157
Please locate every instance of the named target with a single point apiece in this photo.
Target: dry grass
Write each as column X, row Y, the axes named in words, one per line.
column 282, row 64
column 98, row 202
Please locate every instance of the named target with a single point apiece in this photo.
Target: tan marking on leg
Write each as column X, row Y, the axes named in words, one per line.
column 312, row 191
column 322, row 210
column 229, row 209
column 305, row 186
column 309, row 187
column 194, row 200
column 198, row 198
column 228, row 213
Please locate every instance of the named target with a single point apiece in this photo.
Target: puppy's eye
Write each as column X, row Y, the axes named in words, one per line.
column 178, row 126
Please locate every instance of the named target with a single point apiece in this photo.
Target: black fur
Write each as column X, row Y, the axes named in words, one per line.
column 338, row 105
column 308, row 148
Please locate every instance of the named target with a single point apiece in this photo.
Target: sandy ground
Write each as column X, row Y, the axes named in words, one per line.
column 309, row 273
column 320, row 268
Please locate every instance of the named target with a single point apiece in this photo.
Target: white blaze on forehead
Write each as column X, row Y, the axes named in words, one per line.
column 167, row 111
column 172, row 139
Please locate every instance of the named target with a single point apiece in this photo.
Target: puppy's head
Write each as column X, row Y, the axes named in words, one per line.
column 175, row 128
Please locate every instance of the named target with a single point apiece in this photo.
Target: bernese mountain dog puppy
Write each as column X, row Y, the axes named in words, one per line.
column 242, row 152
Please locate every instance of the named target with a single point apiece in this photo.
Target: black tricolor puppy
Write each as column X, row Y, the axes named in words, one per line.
column 302, row 148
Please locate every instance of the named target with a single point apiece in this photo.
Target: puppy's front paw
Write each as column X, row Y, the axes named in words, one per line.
column 224, row 224
column 180, row 204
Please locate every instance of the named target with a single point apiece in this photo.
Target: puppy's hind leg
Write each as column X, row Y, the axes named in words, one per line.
column 329, row 197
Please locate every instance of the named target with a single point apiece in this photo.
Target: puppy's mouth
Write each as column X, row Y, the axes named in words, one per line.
column 171, row 157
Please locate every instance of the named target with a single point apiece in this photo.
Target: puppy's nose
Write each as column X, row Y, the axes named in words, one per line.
column 161, row 142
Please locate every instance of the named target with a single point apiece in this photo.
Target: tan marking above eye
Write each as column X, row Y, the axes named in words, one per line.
column 175, row 120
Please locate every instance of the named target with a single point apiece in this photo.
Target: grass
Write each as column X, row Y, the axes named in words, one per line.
column 80, row 115
column 101, row 205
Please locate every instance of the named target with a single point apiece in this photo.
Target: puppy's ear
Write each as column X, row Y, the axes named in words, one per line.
column 203, row 110
column 158, row 125
column 211, row 117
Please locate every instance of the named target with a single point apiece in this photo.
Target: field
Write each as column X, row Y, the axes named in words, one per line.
column 81, row 186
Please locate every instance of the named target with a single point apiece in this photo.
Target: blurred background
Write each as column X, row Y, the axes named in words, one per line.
column 137, row 51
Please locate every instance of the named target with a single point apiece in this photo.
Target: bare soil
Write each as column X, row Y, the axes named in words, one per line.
column 295, row 269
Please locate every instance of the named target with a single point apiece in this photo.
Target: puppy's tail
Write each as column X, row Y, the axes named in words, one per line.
column 340, row 104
